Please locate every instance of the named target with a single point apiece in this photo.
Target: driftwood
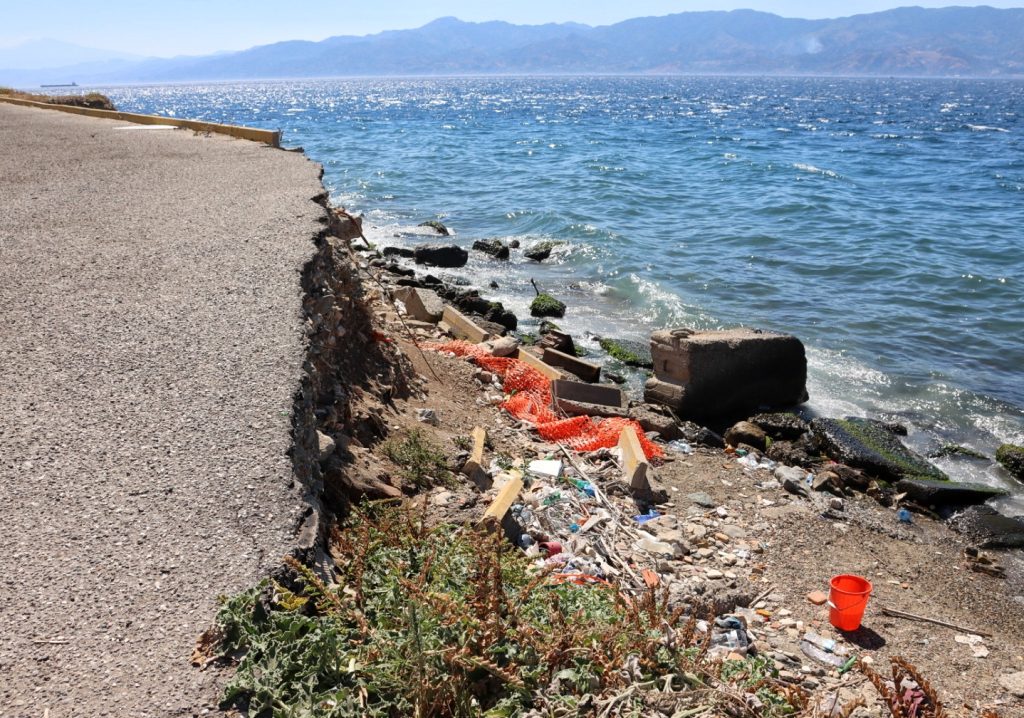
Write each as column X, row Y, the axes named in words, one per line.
column 924, row 619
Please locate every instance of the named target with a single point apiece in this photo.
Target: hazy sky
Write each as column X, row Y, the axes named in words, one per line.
column 202, row 26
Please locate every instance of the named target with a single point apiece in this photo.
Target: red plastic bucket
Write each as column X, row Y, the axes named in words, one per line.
column 847, row 601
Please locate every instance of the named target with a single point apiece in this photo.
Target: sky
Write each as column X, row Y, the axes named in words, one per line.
column 191, row 27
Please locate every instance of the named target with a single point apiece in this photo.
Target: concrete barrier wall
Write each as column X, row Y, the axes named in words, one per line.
column 269, row 137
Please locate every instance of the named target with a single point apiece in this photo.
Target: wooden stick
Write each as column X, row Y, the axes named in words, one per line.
column 913, row 617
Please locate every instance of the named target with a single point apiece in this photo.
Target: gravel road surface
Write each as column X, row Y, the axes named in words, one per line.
column 150, row 345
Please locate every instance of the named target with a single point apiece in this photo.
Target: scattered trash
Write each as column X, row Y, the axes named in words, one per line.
column 847, row 600
column 904, row 516
column 729, row 635
column 680, row 447
column 428, row 416
column 644, row 518
column 824, row 650
column 545, row 467
column 750, row 461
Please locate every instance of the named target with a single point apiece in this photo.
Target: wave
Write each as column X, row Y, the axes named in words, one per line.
column 985, row 128
column 816, row 170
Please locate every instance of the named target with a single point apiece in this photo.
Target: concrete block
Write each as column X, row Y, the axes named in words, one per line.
column 724, row 375
column 578, row 399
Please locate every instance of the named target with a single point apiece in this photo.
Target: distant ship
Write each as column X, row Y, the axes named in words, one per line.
column 73, row 84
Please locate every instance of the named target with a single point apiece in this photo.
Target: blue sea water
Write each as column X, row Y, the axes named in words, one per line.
column 880, row 220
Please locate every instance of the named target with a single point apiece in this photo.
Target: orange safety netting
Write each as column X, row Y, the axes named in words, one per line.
column 530, row 400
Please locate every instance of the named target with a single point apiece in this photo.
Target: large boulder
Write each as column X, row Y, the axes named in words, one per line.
column 871, row 446
column 540, row 251
column 441, row 255
column 1012, row 459
column 719, row 376
column 946, row 494
column 744, row 432
column 989, row 528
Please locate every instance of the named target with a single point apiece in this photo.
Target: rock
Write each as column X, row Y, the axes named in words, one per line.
column 503, row 346
column 399, row 270
column 849, row 477
column 989, row 528
column 544, row 305
column 868, row 445
column 650, row 544
column 726, row 375
column 780, row 425
column 947, row 494
column 423, row 305
column 786, row 452
column 797, row 488
column 627, row 351
column 428, row 416
column 827, row 481
column 441, row 255
column 1011, row 457
column 653, row 421
column 1013, row 683
column 325, row 445
column 398, row 252
column 436, row 226
column 702, row 499
column 836, row 504
column 696, row 434
column 540, row 251
column 957, row 451
column 818, row 598
column 746, row 433
column 514, row 244
column 494, row 247
column 790, row 472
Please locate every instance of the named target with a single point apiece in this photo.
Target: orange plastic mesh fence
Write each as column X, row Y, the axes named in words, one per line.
column 530, row 400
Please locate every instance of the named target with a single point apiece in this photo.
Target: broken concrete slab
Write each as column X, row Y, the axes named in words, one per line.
column 474, row 467
column 579, row 399
column 634, row 462
column 423, row 305
column 726, row 375
column 583, row 369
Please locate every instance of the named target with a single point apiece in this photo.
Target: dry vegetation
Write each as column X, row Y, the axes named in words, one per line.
column 94, row 100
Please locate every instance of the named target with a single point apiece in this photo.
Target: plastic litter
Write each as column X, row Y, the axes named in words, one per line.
column 644, row 518
column 680, row 446
column 904, row 516
column 823, row 650
column 542, row 467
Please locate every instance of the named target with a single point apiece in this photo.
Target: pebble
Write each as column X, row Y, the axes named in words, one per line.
column 713, row 574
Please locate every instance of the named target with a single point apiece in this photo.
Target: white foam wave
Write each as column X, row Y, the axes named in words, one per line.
column 985, row 128
column 816, row 170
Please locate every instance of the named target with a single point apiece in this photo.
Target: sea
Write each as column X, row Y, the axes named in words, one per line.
column 879, row 220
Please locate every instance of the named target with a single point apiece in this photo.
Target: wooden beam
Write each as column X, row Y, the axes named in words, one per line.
column 462, row 327
column 634, row 461
column 546, row 369
column 505, row 498
column 474, row 467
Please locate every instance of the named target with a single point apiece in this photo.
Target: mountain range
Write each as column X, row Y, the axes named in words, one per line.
column 912, row 41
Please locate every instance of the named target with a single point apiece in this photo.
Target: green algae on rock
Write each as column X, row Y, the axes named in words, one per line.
column 1011, row 457
column 544, row 305
column 869, row 445
column 627, row 352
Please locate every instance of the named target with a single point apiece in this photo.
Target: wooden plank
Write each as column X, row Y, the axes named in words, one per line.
column 474, row 467
column 505, row 498
column 462, row 327
column 546, row 369
column 634, row 461
column 269, row 137
column 583, row 369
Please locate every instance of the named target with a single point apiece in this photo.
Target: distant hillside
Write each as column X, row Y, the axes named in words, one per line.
column 957, row 41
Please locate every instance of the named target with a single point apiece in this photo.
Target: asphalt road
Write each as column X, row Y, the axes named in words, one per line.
column 150, row 346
